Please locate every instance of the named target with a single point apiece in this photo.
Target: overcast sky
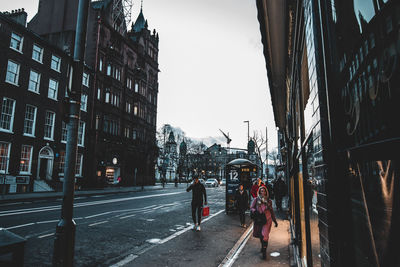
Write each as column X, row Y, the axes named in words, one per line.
column 213, row 73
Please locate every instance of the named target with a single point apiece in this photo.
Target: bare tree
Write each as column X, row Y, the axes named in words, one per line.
column 260, row 146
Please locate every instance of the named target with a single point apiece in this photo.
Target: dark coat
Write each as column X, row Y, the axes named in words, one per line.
column 198, row 191
column 242, row 200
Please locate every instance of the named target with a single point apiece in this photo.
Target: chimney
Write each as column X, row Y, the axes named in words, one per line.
column 18, row 15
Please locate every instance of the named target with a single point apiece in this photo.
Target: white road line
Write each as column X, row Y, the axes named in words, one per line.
column 128, row 216
column 131, row 257
column 96, row 215
column 19, row 226
column 93, row 224
column 84, row 204
column 52, row 221
column 42, row 236
column 125, row 261
column 237, row 248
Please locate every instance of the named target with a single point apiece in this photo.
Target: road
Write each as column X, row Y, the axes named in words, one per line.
column 133, row 229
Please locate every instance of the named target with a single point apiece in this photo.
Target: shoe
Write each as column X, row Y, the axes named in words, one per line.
column 194, row 227
column 198, row 228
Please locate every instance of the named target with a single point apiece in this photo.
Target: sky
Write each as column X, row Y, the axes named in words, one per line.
column 212, row 69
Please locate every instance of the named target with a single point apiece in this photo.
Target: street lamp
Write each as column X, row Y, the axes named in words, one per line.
column 248, row 130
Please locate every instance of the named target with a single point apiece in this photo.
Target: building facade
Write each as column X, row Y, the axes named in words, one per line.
column 33, row 85
column 122, row 122
column 333, row 71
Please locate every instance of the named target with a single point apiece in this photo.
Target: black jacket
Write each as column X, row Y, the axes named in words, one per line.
column 242, row 200
column 198, row 190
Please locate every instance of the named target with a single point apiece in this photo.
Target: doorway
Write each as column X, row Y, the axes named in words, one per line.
column 45, row 164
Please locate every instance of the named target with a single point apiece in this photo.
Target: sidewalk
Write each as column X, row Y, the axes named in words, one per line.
column 79, row 193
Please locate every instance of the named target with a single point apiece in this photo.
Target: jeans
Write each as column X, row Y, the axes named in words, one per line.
column 197, row 208
column 242, row 216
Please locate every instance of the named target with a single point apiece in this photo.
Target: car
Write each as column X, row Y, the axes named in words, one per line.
column 223, row 182
column 212, row 182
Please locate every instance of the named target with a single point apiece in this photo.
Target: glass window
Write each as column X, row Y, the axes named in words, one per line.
column 85, row 79
column 81, row 133
column 4, row 156
column 135, row 110
column 34, row 81
column 78, row 166
column 61, row 163
column 53, row 89
column 12, row 72
column 55, row 63
column 109, row 69
column 7, row 114
column 49, row 125
column 101, row 64
column 26, row 159
column 37, row 53
column 30, row 120
column 16, row 42
column 136, row 87
column 99, row 93
column 107, row 100
column 64, row 132
column 84, row 98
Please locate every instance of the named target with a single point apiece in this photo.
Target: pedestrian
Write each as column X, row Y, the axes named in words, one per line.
column 198, row 191
column 280, row 192
column 262, row 206
column 255, row 187
column 242, row 204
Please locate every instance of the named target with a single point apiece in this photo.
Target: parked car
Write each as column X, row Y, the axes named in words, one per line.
column 212, row 182
column 223, row 182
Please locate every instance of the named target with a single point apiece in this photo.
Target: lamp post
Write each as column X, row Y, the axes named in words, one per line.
column 248, row 130
column 64, row 242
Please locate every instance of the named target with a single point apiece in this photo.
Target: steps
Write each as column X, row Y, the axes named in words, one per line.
column 41, row 186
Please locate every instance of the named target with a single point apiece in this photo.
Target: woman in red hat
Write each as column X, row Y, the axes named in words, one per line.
column 263, row 205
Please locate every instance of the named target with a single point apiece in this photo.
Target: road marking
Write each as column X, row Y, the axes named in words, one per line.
column 96, row 215
column 83, row 204
column 131, row 257
column 52, row 221
column 19, row 226
column 42, row 236
column 237, row 248
column 93, row 224
column 153, row 240
column 128, row 216
column 149, row 220
column 125, row 261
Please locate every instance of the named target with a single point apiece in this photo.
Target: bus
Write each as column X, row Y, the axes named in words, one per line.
column 238, row 171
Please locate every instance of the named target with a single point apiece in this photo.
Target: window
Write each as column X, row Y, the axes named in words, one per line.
column 34, row 81
column 84, row 98
column 64, row 132
column 26, row 159
column 128, row 107
column 49, row 125
column 30, row 120
column 12, row 72
column 37, row 53
column 99, row 93
column 85, row 79
column 61, row 163
column 55, row 63
column 78, row 166
column 107, row 99
column 129, row 83
column 134, row 134
column 53, row 89
column 4, row 156
column 135, row 110
column 16, row 42
column 136, row 87
column 97, row 121
column 127, row 132
column 81, row 133
column 109, row 70
column 7, row 115
column 101, row 64
column 111, row 126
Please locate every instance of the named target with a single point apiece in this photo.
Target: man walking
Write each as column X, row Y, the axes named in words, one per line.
column 242, row 204
column 198, row 191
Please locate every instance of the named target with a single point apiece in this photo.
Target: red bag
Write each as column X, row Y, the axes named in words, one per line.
column 206, row 211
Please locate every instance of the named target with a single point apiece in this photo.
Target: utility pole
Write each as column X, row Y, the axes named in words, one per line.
column 64, row 242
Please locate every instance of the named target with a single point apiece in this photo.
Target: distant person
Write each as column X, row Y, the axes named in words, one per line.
column 198, row 191
column 262, row 206
column 242, row 204
column 255, row 187
column 279, row 191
